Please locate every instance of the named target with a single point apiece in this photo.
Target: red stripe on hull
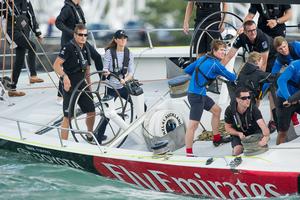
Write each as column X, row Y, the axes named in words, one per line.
column 223, row 183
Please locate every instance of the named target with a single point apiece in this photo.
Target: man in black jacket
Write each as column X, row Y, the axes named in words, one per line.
column 242, row 119
column 25, row 22
column 252, row 77
column 70, row 15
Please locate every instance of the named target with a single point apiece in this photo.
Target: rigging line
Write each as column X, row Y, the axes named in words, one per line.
column 5, row 42
column 1, row 29
column 138, row 57
column 12, row 38
column 34, row 51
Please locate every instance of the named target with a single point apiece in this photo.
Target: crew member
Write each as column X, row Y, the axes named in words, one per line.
column 272, row 17
column 202, row 11
column 287, row 52
column 119, row 61
column 288, row 84
column 70, row 15
column 252, row 77
column 203, row 71
column 24, row 22
column 243, row 119
column 73, row 65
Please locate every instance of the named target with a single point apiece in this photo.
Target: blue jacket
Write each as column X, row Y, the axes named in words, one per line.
column 211, row 68
column 278, row 65
column 292, row 73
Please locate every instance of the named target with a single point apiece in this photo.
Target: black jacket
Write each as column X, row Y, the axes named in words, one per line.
column 24, row 8
column 252, row 77
column 67, row 20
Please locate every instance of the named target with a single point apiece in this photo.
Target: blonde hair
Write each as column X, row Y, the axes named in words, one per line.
column 216, row 44
column 254, row 57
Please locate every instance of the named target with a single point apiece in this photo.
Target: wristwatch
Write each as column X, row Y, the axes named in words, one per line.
column 278, row 21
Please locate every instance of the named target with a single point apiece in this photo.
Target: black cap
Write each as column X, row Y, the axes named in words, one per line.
column 119, row 34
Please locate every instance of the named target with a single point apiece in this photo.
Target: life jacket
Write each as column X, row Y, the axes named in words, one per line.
column 209, row 81
column 283, row 59
column 78, row 14
column 117, row 70
column 269, row 13
column 237, row 119
column 83, row 62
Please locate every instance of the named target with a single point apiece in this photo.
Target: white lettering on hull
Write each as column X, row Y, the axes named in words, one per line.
column 160, row 181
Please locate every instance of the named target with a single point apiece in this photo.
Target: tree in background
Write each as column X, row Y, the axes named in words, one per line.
column 166, row 14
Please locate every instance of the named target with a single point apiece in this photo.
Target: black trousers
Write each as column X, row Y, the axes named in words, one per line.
column 23, row 42
column 98, row 63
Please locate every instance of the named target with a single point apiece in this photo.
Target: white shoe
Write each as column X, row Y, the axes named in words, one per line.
column 59, row 101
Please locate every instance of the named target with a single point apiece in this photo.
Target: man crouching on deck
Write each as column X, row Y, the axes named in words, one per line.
column 73, row 65
column 242, row 119
column 203, row 71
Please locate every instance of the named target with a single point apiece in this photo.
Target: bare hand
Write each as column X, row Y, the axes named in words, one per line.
column 286, row 104
column 241, row 135
column 40, row 39
column 264, row 141
column 67, row 83
column 240, row 30
column 122, row 81
column 271, row 23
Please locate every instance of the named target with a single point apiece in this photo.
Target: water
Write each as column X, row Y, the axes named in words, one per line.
column 27, row 179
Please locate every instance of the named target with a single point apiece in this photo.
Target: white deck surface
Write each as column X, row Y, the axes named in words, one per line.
column 39, row 106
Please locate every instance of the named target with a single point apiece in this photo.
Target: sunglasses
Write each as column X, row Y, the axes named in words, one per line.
column 82, row 34
column 251, row 31
column 245, row 97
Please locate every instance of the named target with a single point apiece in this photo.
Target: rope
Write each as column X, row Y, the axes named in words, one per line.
column 1, row 13
column 5, row 42
column 27, row 40
column 12, row 38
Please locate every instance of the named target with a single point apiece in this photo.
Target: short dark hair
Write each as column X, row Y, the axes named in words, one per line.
column 79, row 27
column 248, row 23
column 239, row 90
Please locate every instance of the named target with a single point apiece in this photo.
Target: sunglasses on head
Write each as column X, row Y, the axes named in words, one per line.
column 82, row 34
column 245, row 97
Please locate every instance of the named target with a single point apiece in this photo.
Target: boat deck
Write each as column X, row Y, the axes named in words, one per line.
column 39, row 106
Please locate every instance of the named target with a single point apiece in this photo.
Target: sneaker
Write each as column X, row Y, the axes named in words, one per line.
column 35, row 79
column 295, row 120
column 14, row 93
column 272, row 126
column 223, row 140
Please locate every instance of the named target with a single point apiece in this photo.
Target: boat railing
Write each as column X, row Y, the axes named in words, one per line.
column 58, row 128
